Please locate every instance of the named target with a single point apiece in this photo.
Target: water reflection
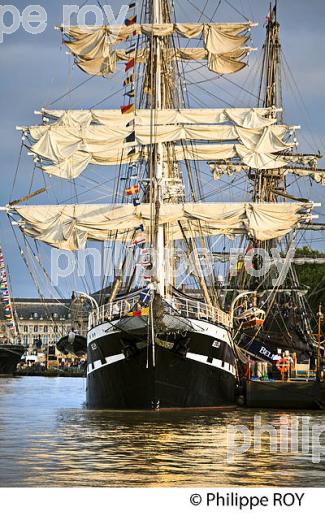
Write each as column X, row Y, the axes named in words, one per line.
column 47, row 438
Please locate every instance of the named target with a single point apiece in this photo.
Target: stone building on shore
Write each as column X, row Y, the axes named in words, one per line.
column 41, row 323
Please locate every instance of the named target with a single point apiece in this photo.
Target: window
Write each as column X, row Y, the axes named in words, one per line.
column 25, row 328
column 46, row 340
column 46, row 329
column 25, row 340
column 55, row 328
column 35, row 328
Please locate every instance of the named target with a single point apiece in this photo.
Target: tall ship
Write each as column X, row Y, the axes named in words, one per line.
column 192, row 185
column 11, row 350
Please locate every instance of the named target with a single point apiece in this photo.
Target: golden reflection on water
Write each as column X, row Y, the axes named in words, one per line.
column 47, row 438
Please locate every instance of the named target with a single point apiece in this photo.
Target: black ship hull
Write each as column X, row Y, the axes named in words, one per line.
column 189, row 370
column 10, row 355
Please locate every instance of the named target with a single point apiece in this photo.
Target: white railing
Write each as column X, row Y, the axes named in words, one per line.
column 199, row 310
column 178, row 306
column 113, row 311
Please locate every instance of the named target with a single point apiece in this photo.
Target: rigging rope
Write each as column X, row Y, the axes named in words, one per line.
column 17, row 170
column 237, row 10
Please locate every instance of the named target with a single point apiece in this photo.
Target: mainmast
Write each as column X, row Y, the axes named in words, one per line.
column 158, row 154
column 160, row 168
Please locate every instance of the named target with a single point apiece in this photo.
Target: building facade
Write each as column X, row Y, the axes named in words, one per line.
column 41, row 323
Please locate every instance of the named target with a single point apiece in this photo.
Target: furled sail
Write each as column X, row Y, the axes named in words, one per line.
column 71, row 149
column 69, row 227
column 58, row 138
column 245, row 117
column 226, row 63
column 318, row 175
column 72, row 167
column 94, row 48
column 88, row 37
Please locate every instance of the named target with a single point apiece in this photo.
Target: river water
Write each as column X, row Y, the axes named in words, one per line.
column 48, row 438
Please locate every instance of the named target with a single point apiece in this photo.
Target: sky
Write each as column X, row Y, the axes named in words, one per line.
column 35, row 71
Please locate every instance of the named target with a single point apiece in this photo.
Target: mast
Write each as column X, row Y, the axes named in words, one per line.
column 268, row 181
column 163, row 266
column 158, row 242
column 271, row 61
column 270, row 185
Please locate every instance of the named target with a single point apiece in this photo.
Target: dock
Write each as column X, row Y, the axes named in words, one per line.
column 296, row 395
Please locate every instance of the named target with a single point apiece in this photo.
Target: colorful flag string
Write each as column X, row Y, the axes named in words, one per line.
column 4, row 293
column 129, row 108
